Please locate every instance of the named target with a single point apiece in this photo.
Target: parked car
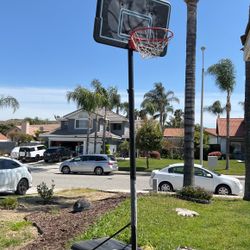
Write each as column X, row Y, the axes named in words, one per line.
column 14, row 176
column 15, row 153
column 31, row 153
column 170, row 179
column 57, row 154
column 92, row 163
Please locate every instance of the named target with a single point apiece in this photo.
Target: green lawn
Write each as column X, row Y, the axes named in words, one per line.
column 224, row 224
column 236, row 168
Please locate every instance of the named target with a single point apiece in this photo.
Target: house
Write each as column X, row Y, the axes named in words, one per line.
column 236, row 133
column 73, row 128
column 32, row 130
column 3, row 138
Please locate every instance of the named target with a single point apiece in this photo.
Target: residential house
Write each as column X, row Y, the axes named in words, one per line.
column 32, row 130
column 72, row 132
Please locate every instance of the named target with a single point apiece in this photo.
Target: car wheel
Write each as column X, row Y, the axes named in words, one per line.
column 46, row 161
column 65, row 170
column 98, row 171
column 223, row 190
column 37, row 158
column 22, row 187
column 165, row 187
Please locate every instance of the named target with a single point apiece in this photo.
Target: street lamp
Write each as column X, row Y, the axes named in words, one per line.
column 201, row 122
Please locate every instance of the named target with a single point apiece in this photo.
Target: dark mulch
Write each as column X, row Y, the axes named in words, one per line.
column 58, row 227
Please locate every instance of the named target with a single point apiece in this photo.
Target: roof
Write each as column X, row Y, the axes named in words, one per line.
column 237, row 127
column 41, row 127
column 211, row 131
column 173, row 132
column 3, row 137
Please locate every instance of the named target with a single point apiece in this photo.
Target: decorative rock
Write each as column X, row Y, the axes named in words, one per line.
column 184, row 248
column 81, row 205
column 186, row 212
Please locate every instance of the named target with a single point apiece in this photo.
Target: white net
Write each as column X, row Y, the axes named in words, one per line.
column 150, row 42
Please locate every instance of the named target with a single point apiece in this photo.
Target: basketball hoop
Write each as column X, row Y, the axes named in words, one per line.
column 150, row 41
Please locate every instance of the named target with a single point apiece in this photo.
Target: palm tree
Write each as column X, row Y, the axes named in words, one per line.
column 86, row 100
column 108, row 100
column 247, row 135
column 215, row 109
column 115, row 99
column 9, row 101
column 125, row 108
column 224, row 74
column 190, row 93
column 157, row 103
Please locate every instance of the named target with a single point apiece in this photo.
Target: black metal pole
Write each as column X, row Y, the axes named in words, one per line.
column 132, row 150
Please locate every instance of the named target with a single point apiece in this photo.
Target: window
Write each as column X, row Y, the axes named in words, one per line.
column 8, row 164
column 100, row 158
column 176, row 170
column 202, row 172
column 82, row 124
column 40, row 148
column 117, row 126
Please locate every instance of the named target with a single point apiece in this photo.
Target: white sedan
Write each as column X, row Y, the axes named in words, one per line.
column 14, row 176
column 170, row 179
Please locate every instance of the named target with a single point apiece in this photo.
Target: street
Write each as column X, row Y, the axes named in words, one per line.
column 44, row 172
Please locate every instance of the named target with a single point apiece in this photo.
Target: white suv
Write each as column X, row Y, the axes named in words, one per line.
column 29, row 153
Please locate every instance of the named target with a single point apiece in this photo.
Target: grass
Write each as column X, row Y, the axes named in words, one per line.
column 236, row 168
column 224, row 224
column 15, row 233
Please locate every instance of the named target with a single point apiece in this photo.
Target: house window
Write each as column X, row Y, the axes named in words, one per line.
column 82, row 124
column 117, row 126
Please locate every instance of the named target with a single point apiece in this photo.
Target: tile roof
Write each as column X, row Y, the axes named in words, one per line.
column 173, row 132
column 3, row 137
column 41, row 127
column 237, row 127
column 211, row 131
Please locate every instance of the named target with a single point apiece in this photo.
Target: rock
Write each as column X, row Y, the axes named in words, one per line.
column 81, row 205
column 186, row 212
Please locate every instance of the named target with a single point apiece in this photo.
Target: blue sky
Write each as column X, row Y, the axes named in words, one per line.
column 47, row 48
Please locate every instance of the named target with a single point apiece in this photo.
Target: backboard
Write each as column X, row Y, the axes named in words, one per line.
column 115, row 19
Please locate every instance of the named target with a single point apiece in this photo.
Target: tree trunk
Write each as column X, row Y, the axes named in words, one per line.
column 190, row 93
column 147, row 161
column 228, row 108
column 247, row 135
column 104, row 132
column 88, row 132
column 96, row 127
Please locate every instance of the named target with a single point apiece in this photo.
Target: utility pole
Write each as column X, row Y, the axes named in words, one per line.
column 202, row 92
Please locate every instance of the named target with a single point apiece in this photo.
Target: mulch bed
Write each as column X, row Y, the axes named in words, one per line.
column 57, row 228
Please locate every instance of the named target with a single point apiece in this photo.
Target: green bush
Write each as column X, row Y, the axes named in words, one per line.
column 46, row 193
column 195, row 193
column 9, row 203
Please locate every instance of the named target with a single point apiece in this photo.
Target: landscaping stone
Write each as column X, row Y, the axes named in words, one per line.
column 81, row 205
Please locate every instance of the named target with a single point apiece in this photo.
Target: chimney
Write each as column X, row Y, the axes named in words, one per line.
column 25, row 128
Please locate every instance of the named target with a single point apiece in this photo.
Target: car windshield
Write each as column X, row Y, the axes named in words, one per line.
column 111, row 157
column 214, row 172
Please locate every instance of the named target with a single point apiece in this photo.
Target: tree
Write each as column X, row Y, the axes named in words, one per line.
column 9, row 101
column 224, row 74
column 86, row 100
column 215, row 109
column 124, row 148
column 177, row 120
column 107, row 100
column 149, row 137
column 190, row 93
column 157, row 103
column 247, row 135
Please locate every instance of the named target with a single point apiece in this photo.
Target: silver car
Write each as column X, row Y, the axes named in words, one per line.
column 92, row 163
column 14, row 176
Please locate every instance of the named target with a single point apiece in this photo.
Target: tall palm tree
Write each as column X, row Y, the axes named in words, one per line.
column 190, row 93
column 86, row 100
column 215, row 109
column 108, row 100
column 115, row 99
column 224, row 74
column 247, row 134
column 125, row 108
column 157, row 102
column 9, row 101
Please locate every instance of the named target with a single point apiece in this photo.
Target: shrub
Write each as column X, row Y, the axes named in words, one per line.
column 196, row 193
column 9, row 203
column 155, row 155
column 215, row 153
column 46, row 193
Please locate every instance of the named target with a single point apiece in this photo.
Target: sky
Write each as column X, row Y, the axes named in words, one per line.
column 47, row 49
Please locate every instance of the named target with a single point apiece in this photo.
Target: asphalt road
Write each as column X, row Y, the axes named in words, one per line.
column 44, row 172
